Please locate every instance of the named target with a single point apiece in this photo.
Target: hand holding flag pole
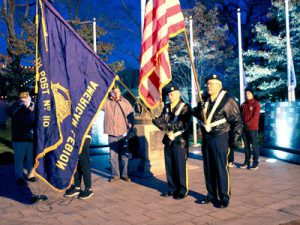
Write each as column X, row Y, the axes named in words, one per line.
column 195, row 74
column 135, row 98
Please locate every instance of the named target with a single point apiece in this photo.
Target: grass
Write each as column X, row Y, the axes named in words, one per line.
column 6, row 151
column 5, row 140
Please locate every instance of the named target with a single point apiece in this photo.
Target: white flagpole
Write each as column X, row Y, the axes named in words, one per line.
column 94, row 35
column 291, row 88
column 193, row 85
column 143, row 5
column 241, row 69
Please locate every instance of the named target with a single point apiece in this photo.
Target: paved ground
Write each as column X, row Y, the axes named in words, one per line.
column 270, row 195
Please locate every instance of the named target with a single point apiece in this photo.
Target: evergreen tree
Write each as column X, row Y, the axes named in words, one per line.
column 266, row 66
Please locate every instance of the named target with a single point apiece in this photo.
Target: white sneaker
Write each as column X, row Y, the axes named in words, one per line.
column 231, row 164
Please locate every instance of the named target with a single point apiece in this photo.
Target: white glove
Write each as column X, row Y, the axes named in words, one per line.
column 207, row 127
column 171, row 135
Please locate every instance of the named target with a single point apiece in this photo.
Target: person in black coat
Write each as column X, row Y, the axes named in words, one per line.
column 22, row 125
column 222, row 117
column 174, row 120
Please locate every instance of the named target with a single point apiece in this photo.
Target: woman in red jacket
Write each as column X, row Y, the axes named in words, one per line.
column 250, row 113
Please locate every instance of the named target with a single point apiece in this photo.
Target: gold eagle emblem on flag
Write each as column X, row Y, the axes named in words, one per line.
column 62, row 101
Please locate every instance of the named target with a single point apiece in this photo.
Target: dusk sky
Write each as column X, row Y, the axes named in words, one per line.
column 122, row 31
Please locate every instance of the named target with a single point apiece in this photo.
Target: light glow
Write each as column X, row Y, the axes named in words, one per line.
column 271, row 160
column 197, row 152
column 281, row 154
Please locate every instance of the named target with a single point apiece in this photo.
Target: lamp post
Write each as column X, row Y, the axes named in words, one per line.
column 241, row 69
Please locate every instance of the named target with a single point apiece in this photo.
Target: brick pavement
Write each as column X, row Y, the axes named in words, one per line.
column 270, row 195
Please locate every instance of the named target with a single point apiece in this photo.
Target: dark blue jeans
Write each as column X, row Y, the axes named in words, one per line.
column 118, row 152
column 22, row 150
column 250, row 137
column 83, row 166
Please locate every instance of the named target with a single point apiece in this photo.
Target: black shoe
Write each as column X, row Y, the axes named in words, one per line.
column 179, row 196
column 244, row 166
column 254, row 166
column 113, row 179
column 167, row 194
column 72, row 191
column 87, row 193
column 20, row 182
column 205, row 200
column 222, row 204
column 127, row 179
column 32, row 179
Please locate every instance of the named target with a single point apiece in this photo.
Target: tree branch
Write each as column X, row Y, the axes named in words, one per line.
column 129, row 14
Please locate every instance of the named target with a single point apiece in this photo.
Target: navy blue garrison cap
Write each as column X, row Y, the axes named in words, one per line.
column 171, row 88
column 214, row 76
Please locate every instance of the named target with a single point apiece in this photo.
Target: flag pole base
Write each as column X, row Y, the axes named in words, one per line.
column 39, row 198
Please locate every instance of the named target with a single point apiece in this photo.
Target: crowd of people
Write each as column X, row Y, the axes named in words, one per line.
column 223, row 123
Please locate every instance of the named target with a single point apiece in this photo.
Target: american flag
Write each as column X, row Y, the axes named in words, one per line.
column 163, row 20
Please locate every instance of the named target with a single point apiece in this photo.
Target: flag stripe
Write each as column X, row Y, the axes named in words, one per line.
column 163, row 19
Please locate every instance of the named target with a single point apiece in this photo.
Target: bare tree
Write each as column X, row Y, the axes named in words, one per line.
column 20, row 42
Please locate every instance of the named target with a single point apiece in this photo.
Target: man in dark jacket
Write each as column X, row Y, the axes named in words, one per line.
column 222, row 116
column 250, row 114
column 174, row 120
column 22, row 125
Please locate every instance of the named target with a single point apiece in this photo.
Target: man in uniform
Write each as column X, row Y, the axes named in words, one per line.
column 174, row 120
column 223, row 116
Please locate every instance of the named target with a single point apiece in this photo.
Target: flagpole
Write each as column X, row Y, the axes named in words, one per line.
column 135, row 98
column 291, row 88
column 94, row 35
column 241, row 70
column 36, row 46
column 193, row 98
column 143, row 4
column 37, row 198
column 194, row 72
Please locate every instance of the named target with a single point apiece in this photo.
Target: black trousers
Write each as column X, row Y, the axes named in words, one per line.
column 231, row 154
column 215, row 152
column 84, row 167
column 250, row 137
column 176, row 171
